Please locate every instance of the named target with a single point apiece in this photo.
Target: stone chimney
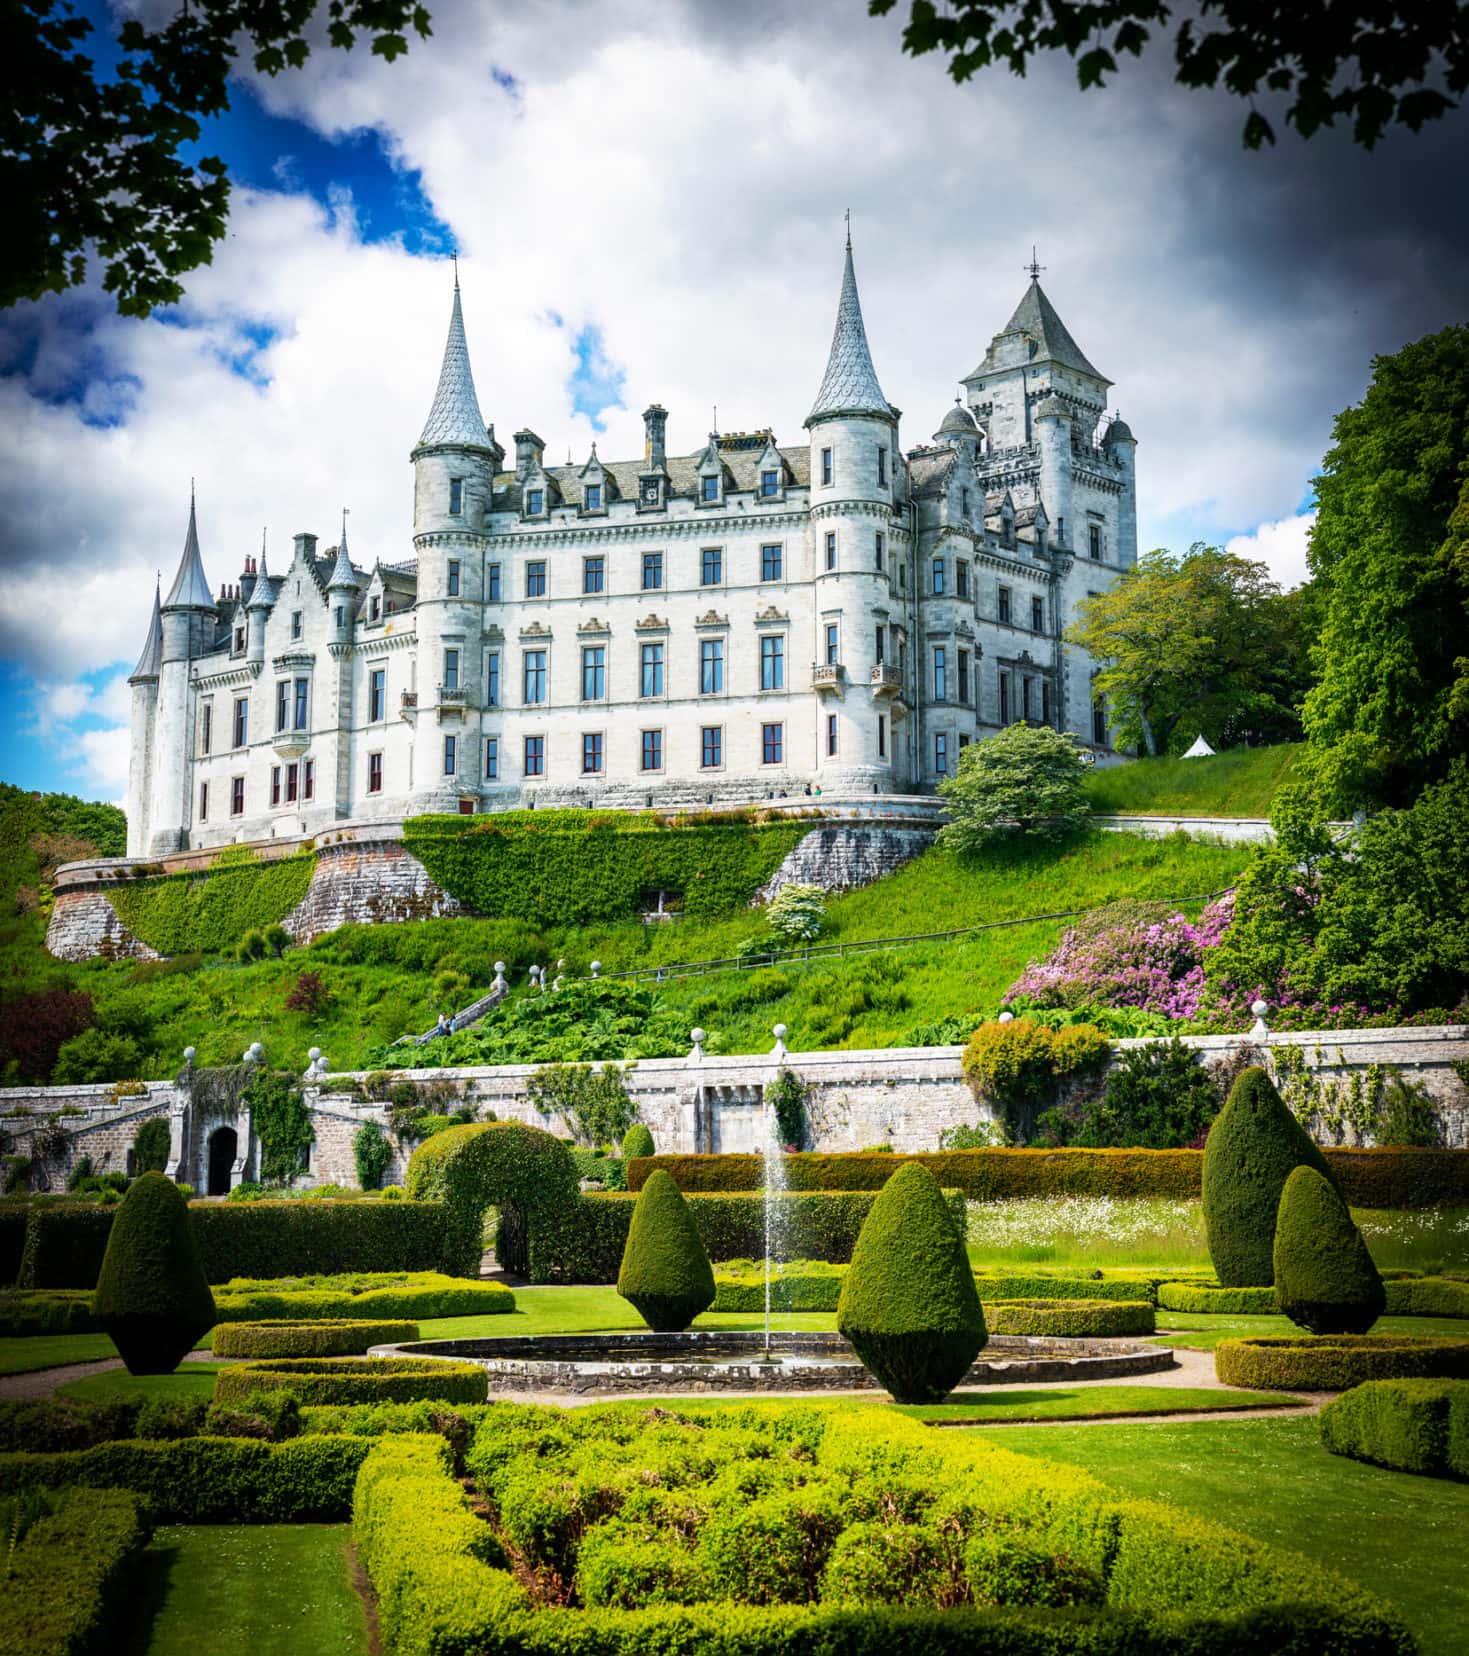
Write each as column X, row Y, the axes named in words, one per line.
column 528, row 451
column 655, row 431
column 305, row 545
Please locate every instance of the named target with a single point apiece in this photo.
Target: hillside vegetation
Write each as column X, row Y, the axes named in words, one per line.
column 1240, row 782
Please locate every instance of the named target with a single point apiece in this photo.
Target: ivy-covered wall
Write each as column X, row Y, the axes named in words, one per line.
column 573, row 866
column 212, row 912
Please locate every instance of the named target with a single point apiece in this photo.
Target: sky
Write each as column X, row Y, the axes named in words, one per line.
column 647, row 205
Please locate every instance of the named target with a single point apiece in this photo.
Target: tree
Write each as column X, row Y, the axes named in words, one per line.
column 796, row 912
column 1390, row 551
column 1324, row 1275
column 1026, row 780
column 1369, row 62
column 1207, row 637
column 665, row 1274
column 90, row 163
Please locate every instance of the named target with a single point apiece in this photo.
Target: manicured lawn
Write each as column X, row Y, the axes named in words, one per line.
column 189, row 1380
column 1238, row 783
column 269, row 1589
column 1187, row 1328
column 43, row 1351
column 1402, row 1537
column 588, row 1309
column 1086, row 1403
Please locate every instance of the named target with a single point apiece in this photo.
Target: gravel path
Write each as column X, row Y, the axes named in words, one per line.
column 44, row 1382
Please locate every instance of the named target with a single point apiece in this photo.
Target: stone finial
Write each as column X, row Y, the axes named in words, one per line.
column 189, row 1057
column 557, row 981
column 314, row 1054
column 499, row 984
column 254, row 1053
column 1259, row 1030
column 596, row 968
column 698, row 1037
column 780, row 1041
column 1006, row 1017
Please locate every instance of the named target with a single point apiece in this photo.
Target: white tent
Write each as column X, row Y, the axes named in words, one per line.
column 1200, row 750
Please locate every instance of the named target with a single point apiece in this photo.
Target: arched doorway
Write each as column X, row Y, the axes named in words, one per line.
column 222, row 1147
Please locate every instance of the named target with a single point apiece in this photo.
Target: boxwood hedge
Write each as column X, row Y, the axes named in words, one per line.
column 1336, row 1362
column 1427, row 1297
column 1069, row 1319
column 1022, row 1286
column 69, row 1577
column 800, row 1285
column 1410, row 1425
column 341, row 1337
column 355, row 1380
column 1220, row 1302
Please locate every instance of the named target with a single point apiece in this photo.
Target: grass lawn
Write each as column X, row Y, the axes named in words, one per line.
column 189, row 1380
column 586, row 1310
column 1402, row 1537
column 1203, row 1332
column 270, row 1589
column 43, row 1351
column 1085, row 1403
column 1238, row 783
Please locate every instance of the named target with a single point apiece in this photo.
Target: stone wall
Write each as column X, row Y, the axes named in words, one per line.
column 84, row 924
column 842, row 858
column 370, row 882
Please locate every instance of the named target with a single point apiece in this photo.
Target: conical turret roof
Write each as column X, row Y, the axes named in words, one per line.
column 850, row 383
column 343, row 574
column 1035, row 317
column 190, row 590
column 455, row 419
column 151, row 660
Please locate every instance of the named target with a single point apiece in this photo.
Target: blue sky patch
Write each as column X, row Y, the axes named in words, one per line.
column 595, row 383
column 41, row 750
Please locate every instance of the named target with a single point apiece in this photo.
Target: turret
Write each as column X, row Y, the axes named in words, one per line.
column 343, row 591
column 1052, row 426
column 143, row 684
column 186, row 616
column 1122, row 446
column 257, row 612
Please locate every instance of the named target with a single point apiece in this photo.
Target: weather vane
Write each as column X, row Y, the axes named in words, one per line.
column 849, row 229
column 1033, row 267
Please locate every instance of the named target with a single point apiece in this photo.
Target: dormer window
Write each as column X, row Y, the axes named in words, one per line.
column 710, row 489
column 239, row 641
column 456, row 496
column 375, row 608
column 594, row 497
column 769, row 483
column 535, row 502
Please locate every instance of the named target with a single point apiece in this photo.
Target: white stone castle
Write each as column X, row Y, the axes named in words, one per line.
column 750, row 621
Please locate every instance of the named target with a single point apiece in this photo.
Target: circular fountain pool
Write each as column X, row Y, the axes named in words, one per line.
column 721, row 1360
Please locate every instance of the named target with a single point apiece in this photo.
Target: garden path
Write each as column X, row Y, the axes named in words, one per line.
column 44, row 1382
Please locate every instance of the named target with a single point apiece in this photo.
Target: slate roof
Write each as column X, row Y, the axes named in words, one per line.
column 455, row 417
column 190, row 590
column 850, row 383
column 151, row 659
column 929, row 469
column 342, row 574
column 1035, row 316
column 743, row 466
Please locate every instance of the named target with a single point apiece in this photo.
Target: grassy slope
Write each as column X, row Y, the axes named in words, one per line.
column 1401, row 1537
column 1238, row 783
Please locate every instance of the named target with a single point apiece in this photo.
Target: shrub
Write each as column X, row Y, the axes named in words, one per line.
column 1002, row 1569
column 53, row 1424
column 1157, row 1097
column 908, row 1305
column 621, row 1567
column 96, row 1055
column 339, row 1337
column 355, row 1380
column 69, row 1579
column 372, row 1153
column 35, row 1027
column 789, row 1098
column 273, row 1417
column 1324, row 1275
column 1222, row 1302
column 252, row 946
column 150, row 1146
column 309, row 994
column 1028, row 780
column 279, row 1239
column 152, row 1297
column 665, row 1274
column 1336, row 1362
column 637, row 1141
column 1253, row 1146
column 1409, row 1425
column 440, row 1297
column 800, row 1285
column 1427, row 1297
column 593, row 1102
column 1066, row 1319
column 1114, row 1290
column 876, row 1563
column 1017, row 1066
column 796, row 911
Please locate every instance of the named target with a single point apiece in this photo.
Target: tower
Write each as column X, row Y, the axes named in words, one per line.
column 186, row 618
column 454, row 465
column 143, row 683
column 855, row 467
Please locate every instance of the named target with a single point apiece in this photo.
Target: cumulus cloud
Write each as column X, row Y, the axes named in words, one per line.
column 1281, row 545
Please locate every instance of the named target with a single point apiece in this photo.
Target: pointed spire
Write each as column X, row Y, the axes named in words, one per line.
column 190, row 590
column 455, row 419
column 850, row 384
column 342, row 574
column 151, row 659
column 1035, row 317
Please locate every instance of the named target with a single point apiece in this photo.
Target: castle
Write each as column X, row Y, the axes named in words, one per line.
column 745, row 622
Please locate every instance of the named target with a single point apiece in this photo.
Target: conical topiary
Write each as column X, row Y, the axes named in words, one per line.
column 909, row 1305
column 1324, row 1276
column 636, row 1141
column 665, row 1274
column 151, row 1294
column 1252, row 1147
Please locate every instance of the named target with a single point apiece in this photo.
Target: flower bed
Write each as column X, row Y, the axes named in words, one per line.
column 1409, row 1425
column 1068, row 1319
column 1336, row 1362
column 355, row 1380
column 343, row 1337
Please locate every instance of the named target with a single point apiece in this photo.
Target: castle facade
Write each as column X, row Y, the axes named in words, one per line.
column 749, row 621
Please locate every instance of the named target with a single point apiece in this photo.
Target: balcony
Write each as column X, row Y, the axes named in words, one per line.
column 887, row 681
column 828, row 676
column 291, row 744
column 453, row 701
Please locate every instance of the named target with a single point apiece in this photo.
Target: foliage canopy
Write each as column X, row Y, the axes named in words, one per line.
column 1027, row 780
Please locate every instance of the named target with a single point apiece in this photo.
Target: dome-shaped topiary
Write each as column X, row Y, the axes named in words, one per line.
column 637, row 1141
column 1252, row 1147
column 1324, row 1276
column 151, row 1295
column 909, row 1305
column 665, row 1276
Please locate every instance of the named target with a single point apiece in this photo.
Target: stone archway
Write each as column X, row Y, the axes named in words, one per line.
column 223, row 1148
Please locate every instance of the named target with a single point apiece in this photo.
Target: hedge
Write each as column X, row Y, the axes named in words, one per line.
column 341, row 1337
column 455, row 1298
column 566, row 867
column 1392, row 1178
column 54, row 1424
column 802, row 1285
column 64, row 1245
column 186, row 913
column 355, row 1380
column 1069, row 1319
column 1409, row 1425
column 1017, row 1286
column 202, row 1480
column 1427, row 1297
column 68, row 1581
column 14, row 1217
column 59, row 1311
column 1336, row 1362
column 1219, row 1302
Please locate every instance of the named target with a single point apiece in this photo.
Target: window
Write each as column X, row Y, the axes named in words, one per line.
column 879, row 640
column 237, row 796
column 650, row 659
column 535, row 502
column 594, row 672
column 882, row 735
column 282, row 703
column 451, row 669
column 769, row 483
column 652, row 571
column 902, row 577
column 711, row 747
column 940, row 753
column 594, row 497
column 961, row 577
column 964, row 502
column 206, row 732
column 832, row 633
column 453, row 579
column 492, row 758
column 593, row 574
column 1037, row 615
column 204, row 802
column 1045, row 701
column 938, row 577
column 375, row 607
column 1025, row 684
column 303, row 704
column 341, row 617
column 275, row 784
column 964, row 741
column 535, row 580
column 773, row 661
column 451, row 754
column 940, row 673
column 831, row 549
column 826, row 466
column 711, row 566
column 308, row 779
column 535, row 677
column 377, row 694
column 709, row 488
column 456, row 496
column 652, row 754
column 591, row 753
column 293, row 784
column 1099, row 721
column 831, row 735
column 964, row 677
column 239, row 641
column 242, row 721
column 374, row 773
column 1007, row 530
column 1004, row 698
column 770, row 562
column 535, row 756
column 492, row 583
column 882, row 468
column 295, row 623
column 1004, row 603
column 1094, row 540
column 772, row 744
column 881, row 545
column 492, row 679
column 711, row 666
